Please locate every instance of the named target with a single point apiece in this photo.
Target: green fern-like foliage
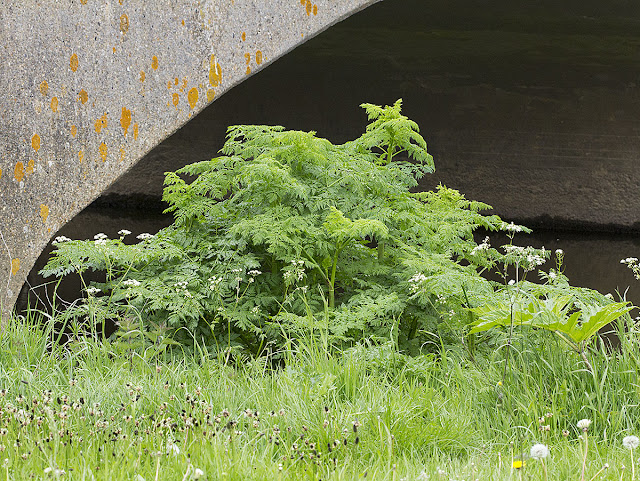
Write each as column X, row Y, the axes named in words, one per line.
column 286, row 234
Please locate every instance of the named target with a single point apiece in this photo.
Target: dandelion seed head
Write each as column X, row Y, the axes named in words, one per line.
column 539, row 451
column 631, row 442
column 584, row 424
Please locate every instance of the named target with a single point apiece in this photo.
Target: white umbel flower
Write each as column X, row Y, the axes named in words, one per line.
column 539, row 451
column 631, row 442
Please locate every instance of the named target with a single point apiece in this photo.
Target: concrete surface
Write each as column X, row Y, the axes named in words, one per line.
column 88, row 87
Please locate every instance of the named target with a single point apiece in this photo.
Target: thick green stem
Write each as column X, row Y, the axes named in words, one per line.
column 332, row 282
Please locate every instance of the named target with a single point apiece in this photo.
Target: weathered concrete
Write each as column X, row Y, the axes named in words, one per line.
column 87, row 87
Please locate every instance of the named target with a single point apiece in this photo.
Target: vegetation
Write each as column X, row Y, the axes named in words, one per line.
column 309, row 316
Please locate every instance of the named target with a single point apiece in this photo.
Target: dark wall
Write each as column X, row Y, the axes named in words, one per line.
column 532, row 107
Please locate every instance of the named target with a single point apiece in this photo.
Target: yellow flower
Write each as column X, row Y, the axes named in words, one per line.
column 518, row 463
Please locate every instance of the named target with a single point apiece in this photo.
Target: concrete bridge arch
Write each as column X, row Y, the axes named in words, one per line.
column 87, row 87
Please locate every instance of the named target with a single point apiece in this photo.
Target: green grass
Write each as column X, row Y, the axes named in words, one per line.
column 368, row 413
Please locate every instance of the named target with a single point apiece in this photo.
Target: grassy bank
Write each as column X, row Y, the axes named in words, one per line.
column 100, row 412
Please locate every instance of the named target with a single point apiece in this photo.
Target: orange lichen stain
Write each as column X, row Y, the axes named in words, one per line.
column 215, row 72
column 258, row 57
column 121, row 1
column 302, row 2
column 124, row 22
column 74, row 130
column 44, row 212
column 192, row 96
column 315, row 10
column 114, row 50
column 122, row 154
column 183, row 22
column 135, row 131
column 176, row 81
column 0, row 173
column 30, row 167
column 44, row 87
column 80, row 156
column 248, row 70
column 54, row 104
column 103, row 151
column 211, row 94
column 247, row 58
column 101, row 123
column 125, row 120
column 73, row 63
column 169, row 84
column 308, row 7
column 244, row 36
column 154, row 62
column 184, row 84
column 142, row 75
column 176, row 99
column 83, row 2
column 35, row 142
column 18, row 172
column 83, row 96
column 15, row 266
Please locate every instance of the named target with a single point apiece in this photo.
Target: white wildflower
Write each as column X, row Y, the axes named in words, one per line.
column 254, row 272
column 60, row 239
column 124, row 232
column 484, row 246
column 631, row 442
column 511, row 227
column 198, row 473
column 512, row 282
column 144, row 236
column 92, row 290
column 101, row 242
column 539, row 451
column 416, row 281
column 584, row 424
column 55, row 471
column 100, row 236
column 131, row 283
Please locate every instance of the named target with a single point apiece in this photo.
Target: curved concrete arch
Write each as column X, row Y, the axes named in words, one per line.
column 87, row 87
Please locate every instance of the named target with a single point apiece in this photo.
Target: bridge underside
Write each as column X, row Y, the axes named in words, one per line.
column 532, row 109
column 88, row 87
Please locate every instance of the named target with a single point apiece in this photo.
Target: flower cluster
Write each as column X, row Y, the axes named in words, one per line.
column 415, row 282
column 511, row 227
column 131, row 283
column 485, row 245
column 60, row 239
column 633, row 264
column 294, row 272
column 526, row 257
column 144, row 236
column 100, row 239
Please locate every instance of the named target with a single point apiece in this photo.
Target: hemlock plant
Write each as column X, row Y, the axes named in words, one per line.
column 288, row 235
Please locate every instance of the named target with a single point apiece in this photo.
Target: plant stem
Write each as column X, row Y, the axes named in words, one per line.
column 584, row 459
